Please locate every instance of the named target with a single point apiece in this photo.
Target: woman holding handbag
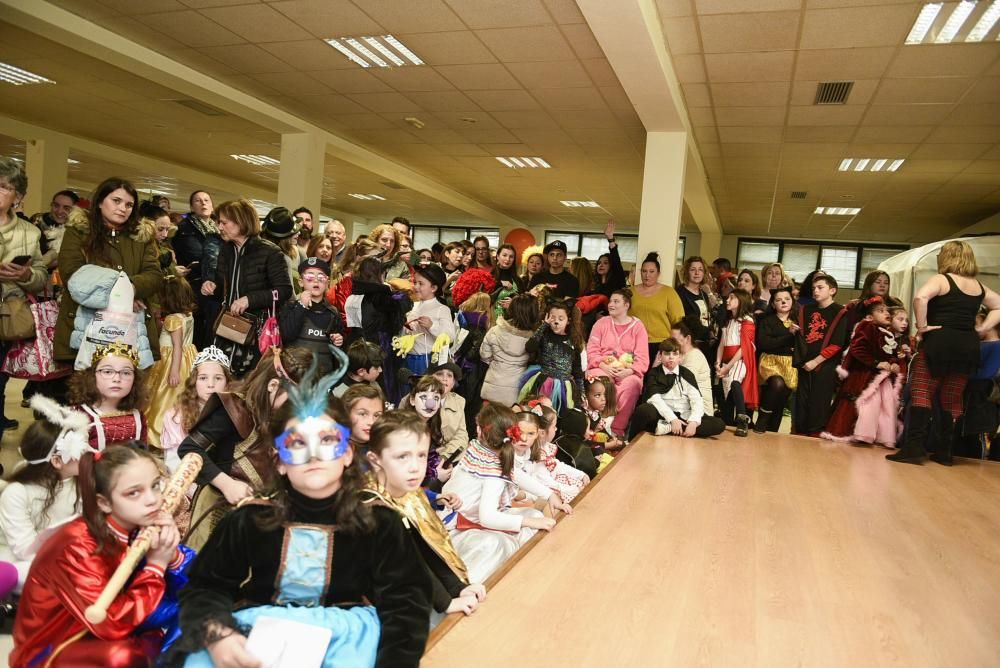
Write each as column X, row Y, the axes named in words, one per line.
column 251, row 278
column 21, row 269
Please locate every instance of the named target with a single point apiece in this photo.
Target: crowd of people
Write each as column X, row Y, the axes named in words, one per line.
column 427, row 410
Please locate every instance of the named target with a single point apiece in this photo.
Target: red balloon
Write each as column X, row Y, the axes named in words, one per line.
column 520, row 238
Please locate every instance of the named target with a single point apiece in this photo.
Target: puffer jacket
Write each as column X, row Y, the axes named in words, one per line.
column 191, row 244
column 135, row 254
column 253, row 271
column 90, row 287
column 503, row 350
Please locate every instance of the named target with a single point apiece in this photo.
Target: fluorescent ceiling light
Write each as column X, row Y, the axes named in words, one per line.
column 985, row 23
column 837, row 211
column 369, row 196
column 515, row 162
column 578, row 203
column 923, row 23
column 366, row 50
column 254, row 159
column 18, row 77
column 870, row 164
column 955, row 21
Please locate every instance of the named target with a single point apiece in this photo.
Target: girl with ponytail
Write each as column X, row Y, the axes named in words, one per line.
column 488, row 529
column 120, row 490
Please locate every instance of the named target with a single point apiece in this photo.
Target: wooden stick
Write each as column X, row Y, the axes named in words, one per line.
column 172, row 495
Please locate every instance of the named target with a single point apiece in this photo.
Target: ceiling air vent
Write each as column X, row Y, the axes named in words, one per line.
column 393, row 185
column 833, row 92
column 200, row 107
column 798, row 194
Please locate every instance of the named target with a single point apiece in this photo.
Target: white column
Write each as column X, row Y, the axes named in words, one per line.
column 711, row 246
column 47, row 170
column 300, row 180
column 662, row 199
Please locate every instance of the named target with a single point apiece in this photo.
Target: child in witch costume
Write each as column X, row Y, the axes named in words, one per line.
column 121, row 493
column 397, row 455
column 871, row 382
column 310, row 553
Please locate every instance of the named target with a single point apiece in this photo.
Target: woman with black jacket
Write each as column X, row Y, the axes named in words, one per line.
column 775, row 342
column 251, row 278
column 196, row 245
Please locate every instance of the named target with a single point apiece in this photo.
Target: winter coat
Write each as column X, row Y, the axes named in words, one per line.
column 21, row 238
column 191, row 244
column 135, row 254
column 382, row 313
column 503, row 350
column 90, row 287
column 254, row 271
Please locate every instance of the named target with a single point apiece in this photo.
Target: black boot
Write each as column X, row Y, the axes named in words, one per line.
column 742, row 424
column 763, row 420
column 913, row 451
column 942, row 453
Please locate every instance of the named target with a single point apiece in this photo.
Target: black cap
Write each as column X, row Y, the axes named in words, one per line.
column 555, row 245
column 280, row 224
column 314, row 263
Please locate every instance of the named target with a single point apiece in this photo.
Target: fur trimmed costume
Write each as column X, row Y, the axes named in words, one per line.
column 868, row 400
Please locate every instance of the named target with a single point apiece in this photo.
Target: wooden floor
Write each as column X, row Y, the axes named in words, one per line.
column 763, row 551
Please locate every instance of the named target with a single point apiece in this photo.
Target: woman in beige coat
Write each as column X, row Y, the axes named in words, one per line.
column 503, row 350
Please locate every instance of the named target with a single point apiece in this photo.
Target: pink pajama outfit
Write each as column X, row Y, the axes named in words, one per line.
column 607, row 338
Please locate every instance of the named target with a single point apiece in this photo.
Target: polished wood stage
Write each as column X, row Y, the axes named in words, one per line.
column 769, row 550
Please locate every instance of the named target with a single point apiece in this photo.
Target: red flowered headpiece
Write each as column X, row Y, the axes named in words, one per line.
column 513, row 433
column 871, row 301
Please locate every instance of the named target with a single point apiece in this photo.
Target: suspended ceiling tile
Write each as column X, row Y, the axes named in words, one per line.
column 443, row 101
column 460, row 120
column 130, row 8
column 515, row 120
column 987, row 134
column 929, row 60
column 883, row 25
column 561, row 74
column 570, row 99
column 738, row 67
column 309, row 54
column 741, row 6
column 696, row 95
column 582, row 41
column 405, row 79
column 323, row 18
column 520, row 45
column 843, row 64
column 750, row 116
column 504, row 100
column 974, row 114
column 831, row 150
column 984, row 167
column 331, row 104
column 351, row 81
column 478, row 14
column 257, row 23
column 478, row 77
column 770, row 94
column 600, row 71
column 200, row 4
column 674, row 8
column 906, row 114
column 247, row 58
column 400, row 17
column 810, row 133
column 385, row 102
column 594, row 119
column 190, row 28
column 682, row 35
column 689, row 68
column 922, row 91
column 985, row 90
column 549, row 142
column 701, row 115
column 732, row 150
column 750, row 135
column 764, row 31
column 564, row 11
column 458, row 47
column 293, row 83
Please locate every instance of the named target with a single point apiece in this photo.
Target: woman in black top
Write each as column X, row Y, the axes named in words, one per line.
column 944, row 312
column 775, row 341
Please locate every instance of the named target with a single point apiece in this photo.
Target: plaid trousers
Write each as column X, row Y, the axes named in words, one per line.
column 923, row 387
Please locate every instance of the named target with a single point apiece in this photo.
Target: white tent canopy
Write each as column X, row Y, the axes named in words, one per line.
column 910, row 269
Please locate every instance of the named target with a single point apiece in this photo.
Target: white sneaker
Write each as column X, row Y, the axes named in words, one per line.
column 662, row 428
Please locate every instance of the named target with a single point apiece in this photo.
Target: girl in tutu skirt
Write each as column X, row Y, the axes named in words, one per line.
column 556, row 372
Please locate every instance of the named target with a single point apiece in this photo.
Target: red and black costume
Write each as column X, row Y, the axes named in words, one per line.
column 822, row 331
column 66, row 577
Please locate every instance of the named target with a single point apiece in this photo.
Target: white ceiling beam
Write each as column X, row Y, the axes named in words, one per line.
column 55, row 23
column 630, row 35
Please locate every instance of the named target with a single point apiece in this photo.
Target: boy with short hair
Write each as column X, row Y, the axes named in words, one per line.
column 309, row 321
column 671, row 402
column 823, row 335
column 565, row 284
column 364, row 365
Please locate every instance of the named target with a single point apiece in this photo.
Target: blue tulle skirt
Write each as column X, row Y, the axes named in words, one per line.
column 536, row 383
column 354, row 644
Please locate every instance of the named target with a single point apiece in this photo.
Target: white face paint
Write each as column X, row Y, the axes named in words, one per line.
column 427, row 404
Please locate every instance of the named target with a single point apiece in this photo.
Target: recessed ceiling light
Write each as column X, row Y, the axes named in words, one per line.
column 369, row 196
column 578, row 203
column 368, row 51
column 955, row 21
column 985, row 23
column 18, row 77
column 71, row 161
column 870, row 164
column 522, row 162
column 924, row 22
column 837, row 211
column 254, row 159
